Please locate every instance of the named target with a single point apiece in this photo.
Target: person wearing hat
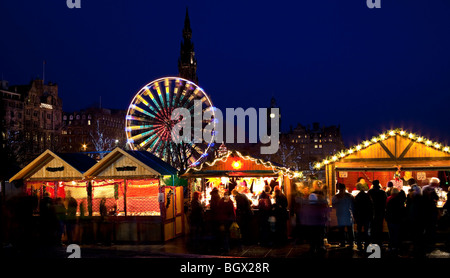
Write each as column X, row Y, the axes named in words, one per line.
column 314, row 216
column 379, row 198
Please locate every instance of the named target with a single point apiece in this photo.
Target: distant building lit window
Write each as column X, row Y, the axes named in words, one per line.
column 89, row 122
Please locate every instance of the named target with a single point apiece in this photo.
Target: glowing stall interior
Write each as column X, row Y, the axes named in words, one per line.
column 248, row 175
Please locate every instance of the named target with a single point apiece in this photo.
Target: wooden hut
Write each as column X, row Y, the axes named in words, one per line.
column 395, row 155
column 247, row 174
column 133, row 183
column 56, row 174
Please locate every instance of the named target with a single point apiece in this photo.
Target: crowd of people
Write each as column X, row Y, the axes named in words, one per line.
column 361, row 218
column 225, row 217
column 410, row 216
column 27, row 223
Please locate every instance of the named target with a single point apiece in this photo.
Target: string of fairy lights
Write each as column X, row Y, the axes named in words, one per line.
column 276, row 169
column 382, row 137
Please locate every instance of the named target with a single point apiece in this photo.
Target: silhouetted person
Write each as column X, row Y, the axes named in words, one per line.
column 431, row 212
column 244, row 215
column 416, row 218
column 214, row 216
column 20, row 231
column 281, row 216
column 47, row 219
column 389, row 187
column 343, row 202
column 363, row 215
column 60, row 211
column 379, row 207
column 298, row 199
column 227, row 216
column 264, row 212
column 71, row 221
column 196, row 220
column 104, row 229
column 395, row 215
column 314, row 216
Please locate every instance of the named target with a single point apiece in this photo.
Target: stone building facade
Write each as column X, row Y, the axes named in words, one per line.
column 93, row 130
column 31, row 118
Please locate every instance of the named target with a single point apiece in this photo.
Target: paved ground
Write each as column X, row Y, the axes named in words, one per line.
column 180, row 248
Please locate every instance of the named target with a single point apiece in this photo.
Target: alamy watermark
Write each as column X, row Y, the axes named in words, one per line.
column 373, row 4
column 77, row 4
column 73, row 4
column 214, row 129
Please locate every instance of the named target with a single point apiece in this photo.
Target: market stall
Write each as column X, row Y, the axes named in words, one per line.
column 135, row 188
column 246, row 174
column 57, row 175
column 394, row 156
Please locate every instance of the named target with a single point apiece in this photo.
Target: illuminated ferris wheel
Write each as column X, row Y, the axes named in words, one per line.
column 149, row 121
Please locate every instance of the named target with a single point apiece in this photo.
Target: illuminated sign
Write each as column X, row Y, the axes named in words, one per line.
column 46, row 106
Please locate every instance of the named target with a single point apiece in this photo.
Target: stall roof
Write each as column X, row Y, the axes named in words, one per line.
column 121, row 163
column 59, row 166
column 222, row 166
column 390, row 150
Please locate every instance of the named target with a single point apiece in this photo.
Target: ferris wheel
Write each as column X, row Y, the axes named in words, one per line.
column 149, row 123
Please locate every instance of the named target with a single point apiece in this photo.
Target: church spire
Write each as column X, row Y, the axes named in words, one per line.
column 187, row 63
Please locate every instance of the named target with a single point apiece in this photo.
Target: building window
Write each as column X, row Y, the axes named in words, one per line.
column 89, row 122
column 315, row 146
column 320, row 146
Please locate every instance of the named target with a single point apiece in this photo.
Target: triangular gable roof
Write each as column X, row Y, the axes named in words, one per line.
column 260, row 166
column 395, row 147
column 143, row 164
column 60, row 166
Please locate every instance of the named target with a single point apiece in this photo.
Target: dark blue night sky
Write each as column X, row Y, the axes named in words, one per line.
column 328, row 61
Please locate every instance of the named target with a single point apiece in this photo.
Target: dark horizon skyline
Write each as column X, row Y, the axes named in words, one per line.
column 367, row 70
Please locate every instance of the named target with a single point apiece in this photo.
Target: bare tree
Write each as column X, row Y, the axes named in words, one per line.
column 287, row 155
column 100, row 141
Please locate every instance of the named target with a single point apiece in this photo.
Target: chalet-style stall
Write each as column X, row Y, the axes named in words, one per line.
column 133, row 186
column 246, row 174
column 396, row 155
column 58, row 175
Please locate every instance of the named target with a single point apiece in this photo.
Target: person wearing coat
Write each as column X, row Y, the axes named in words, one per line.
column 280, row 212
column 226, row 215
column 314, row 216
column 343, row 203
column 363, row 215
column 395, row 216
column 379, row 197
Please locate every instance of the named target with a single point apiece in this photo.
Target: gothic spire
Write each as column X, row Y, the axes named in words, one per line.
column 187, row 63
